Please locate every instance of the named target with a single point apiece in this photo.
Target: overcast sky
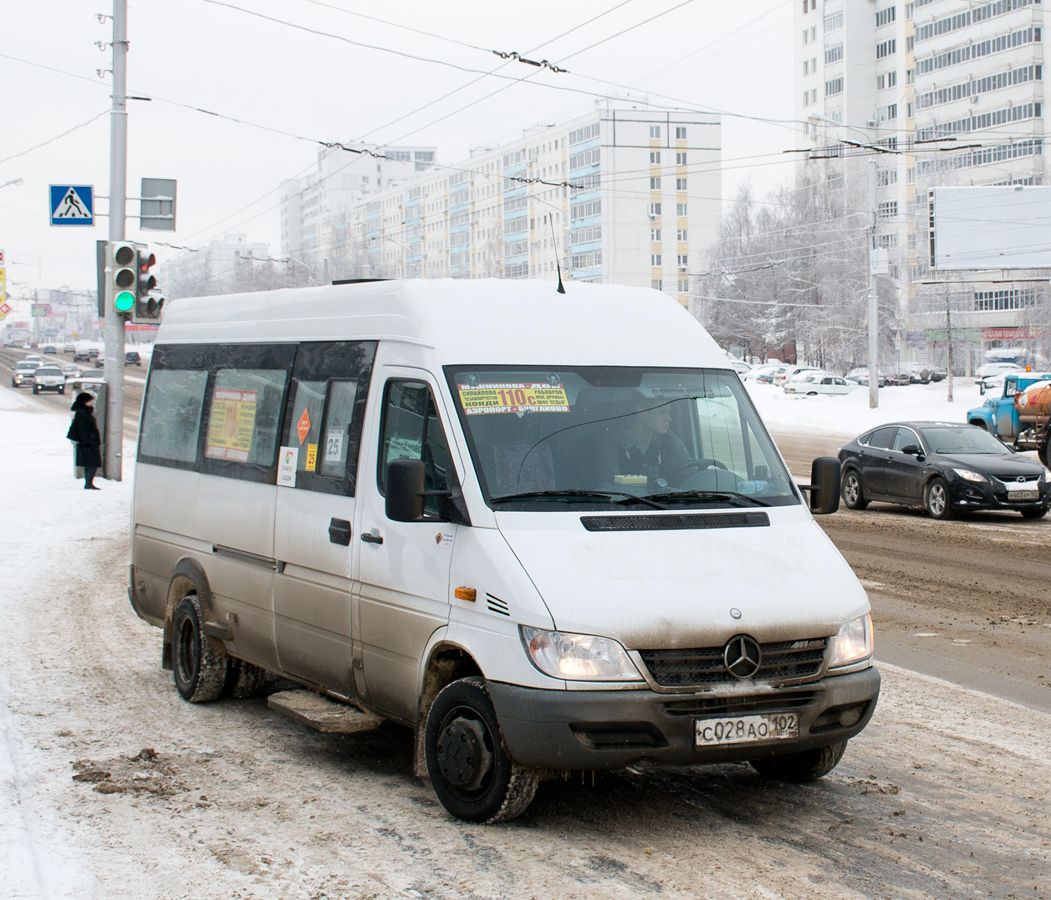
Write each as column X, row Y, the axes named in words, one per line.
column 309, row 78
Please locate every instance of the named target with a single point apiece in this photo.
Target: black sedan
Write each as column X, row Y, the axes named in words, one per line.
column 946, row 467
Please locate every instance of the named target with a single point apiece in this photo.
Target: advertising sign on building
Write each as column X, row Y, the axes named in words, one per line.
column 1016, row 333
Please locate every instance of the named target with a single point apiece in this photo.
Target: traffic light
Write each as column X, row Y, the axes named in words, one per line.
column 147, row 303
column 120, row 275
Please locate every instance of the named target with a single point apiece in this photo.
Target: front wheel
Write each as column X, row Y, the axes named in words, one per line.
column 470, row 771
column 798, row 768
column 938, row 503
column 1034, row 513
column 853, row 498
column 200, row 671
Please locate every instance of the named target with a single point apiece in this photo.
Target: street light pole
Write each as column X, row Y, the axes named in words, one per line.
column 114, row 321
column 873, row 297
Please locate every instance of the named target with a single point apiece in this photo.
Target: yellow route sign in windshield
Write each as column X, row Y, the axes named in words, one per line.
column 480, row 399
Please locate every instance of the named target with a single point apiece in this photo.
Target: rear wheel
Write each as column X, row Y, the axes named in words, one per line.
column 470, row 771
column 200, row 670
column 851, row 493
column 1044, row 451
column 938, row 503
column 798, row 768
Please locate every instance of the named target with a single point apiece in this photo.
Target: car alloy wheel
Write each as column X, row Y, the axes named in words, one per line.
column 938, row 501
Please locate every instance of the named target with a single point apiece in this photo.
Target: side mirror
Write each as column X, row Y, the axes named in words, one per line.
column 405, row 487
column 824, row 485
column 911, row 450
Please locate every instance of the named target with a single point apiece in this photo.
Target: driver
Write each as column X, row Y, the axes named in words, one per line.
column 644, row 446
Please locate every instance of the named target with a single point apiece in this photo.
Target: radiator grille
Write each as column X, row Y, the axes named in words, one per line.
column 783, row 660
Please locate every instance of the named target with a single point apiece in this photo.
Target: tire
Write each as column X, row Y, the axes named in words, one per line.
column 799, row 768
column 1034, row 513
column 36, row 390
column 200, row 670
column 62, row 390
column 1044, row 452
column 851, row 492
column 936, row 499
column 469, row 768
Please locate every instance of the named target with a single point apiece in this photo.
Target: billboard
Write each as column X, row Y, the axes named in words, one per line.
column 984, row 227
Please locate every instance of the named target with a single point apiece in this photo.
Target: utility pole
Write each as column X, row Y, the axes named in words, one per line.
column 873, row 297
column 114, row 321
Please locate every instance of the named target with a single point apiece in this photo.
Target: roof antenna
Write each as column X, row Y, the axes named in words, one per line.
column 551, row 223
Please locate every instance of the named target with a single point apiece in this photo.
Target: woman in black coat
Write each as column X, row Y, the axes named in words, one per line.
column 85, row 432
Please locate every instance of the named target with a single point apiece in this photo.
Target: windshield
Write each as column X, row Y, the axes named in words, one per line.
column 963, row 439
column 625, row 437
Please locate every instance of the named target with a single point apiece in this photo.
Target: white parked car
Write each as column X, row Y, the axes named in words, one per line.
column 811, row 384
column 997, row 368
column 794, row 372
column 764, row 374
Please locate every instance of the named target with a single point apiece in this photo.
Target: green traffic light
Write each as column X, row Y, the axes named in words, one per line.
column 124, row 301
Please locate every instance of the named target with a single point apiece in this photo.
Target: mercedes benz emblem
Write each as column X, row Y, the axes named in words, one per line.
column 742, row 656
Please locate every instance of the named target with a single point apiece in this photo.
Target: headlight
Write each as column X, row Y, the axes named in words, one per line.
column 853, row 643
column 968, row 475
column 578, row 657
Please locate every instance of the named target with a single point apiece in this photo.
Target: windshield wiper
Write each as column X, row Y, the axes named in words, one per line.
column 731, row 496
column 578, row 495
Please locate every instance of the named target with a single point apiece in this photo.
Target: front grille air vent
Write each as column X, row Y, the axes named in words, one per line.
column 738, row 706
column 782, row 660
column 676, row 521
column 498, row 606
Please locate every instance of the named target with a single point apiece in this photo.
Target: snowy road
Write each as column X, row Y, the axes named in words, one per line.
column 945, row 795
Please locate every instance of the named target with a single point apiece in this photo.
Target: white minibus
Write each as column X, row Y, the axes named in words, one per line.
column 546, row 531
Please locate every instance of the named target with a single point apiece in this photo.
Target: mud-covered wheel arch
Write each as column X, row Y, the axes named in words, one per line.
column 188, row 578
column 447, row 664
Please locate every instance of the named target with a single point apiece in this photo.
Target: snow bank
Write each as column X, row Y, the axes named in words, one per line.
column 849, row 415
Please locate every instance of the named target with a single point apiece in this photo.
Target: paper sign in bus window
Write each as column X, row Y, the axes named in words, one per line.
column 482, row 399
column 334, row 445
column 232, row 425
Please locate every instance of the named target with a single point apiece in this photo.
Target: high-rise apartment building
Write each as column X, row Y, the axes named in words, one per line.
column 624, row 194
column 940, row 93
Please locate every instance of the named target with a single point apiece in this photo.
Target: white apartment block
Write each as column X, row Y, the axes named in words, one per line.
column 953, row 90
column 621, row 195
column 313, row 229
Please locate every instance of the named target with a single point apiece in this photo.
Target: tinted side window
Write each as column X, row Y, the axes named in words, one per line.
column 325, row 413
column 171, row 419
column 882, row 438
column 411, row 429
column 244, row 414
column 904, row 437
column 216, row 408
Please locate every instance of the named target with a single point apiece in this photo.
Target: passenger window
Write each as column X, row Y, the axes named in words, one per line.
column 903, row 438
column 244, row 416
column 883, row 438
column 171, row 422
column 412, row 430
column 326, row 411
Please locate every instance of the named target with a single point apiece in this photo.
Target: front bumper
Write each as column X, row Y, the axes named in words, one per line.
column 613, row 729
column 993, row 496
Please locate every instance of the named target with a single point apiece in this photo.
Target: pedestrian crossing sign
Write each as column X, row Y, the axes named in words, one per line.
column 72, row 204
